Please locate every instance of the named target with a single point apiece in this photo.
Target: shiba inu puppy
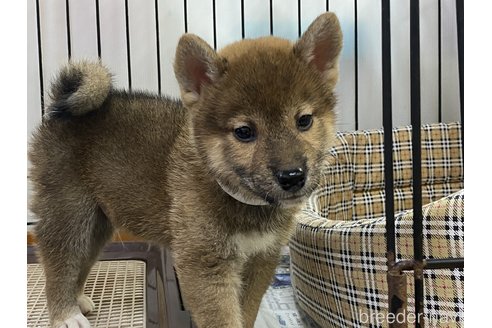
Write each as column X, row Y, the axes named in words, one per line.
column 217, row 177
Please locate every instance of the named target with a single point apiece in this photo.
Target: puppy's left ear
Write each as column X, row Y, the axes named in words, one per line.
column 320, row 46
column 196, row 67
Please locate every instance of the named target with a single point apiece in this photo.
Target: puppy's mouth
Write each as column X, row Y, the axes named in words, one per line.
column 243, row 194
column 279, row 197
column 259, row 191
column 291, row 200
column 255, row 196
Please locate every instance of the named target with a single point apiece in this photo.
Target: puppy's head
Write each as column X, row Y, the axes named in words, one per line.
column 262, row 110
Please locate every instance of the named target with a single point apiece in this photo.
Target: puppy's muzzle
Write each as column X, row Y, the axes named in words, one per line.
column 291, row 180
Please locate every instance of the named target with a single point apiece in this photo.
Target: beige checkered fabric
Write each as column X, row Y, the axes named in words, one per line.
column 353, row 188
column 338, row 252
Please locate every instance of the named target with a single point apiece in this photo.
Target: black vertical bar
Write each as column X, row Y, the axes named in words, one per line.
column 215, row 24
column 271, row 17
column 127, row 26
column 388, row 127
column 98, row 29
column 158, row 45
column 416, row 151
column 69, row 41
column 460, row 28
column 242, row 20
column 356, row 65
column 185, row 5
column 327, row 5
column 299, row 30
column 40, row 57
column 389, row 207
column 439, row 64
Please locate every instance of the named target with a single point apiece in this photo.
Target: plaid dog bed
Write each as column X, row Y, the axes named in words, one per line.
column 338, row 252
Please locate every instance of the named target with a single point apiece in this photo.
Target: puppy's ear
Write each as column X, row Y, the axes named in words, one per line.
column 196, row 66
column 320, row 46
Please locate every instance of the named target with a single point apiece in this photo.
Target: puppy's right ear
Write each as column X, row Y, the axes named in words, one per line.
column 196, row 67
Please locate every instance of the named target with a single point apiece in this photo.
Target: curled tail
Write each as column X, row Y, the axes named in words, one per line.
column 79, row 88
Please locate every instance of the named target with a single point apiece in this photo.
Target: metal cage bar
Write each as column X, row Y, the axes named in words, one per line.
column 432, row 264
column 299, row 29
column 356, row 66
column 185, row 12
column 40, row 57
column 67, row 21
column 397, row 293
column 416, row 158
column 388, row 135
column 242, row 20
column 439, row 64
column 128, row 58
column 460, row 37
column 158, row 46
column 98, row 29
column 214, row 19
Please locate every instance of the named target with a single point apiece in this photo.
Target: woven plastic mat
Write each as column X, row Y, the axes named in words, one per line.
column 117, row 289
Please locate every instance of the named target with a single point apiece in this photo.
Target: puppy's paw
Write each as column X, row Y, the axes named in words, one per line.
column 86, row 305
column 76, row 321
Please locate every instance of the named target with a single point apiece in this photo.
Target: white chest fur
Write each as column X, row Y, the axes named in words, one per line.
column 254, row 242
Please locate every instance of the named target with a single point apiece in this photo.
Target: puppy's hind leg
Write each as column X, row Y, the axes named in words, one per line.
column 70, row 236
column 101, row 233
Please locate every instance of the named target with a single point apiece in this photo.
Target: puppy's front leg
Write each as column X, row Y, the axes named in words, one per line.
column 257, row 276
column 210, row 287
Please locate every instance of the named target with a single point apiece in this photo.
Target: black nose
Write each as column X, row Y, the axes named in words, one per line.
column 291, row 180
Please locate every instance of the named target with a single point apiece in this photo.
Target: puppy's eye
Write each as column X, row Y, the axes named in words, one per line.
column 245, row 134
column 304, row 122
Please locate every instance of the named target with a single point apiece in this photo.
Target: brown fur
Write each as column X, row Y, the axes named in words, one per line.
column 106, row 159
